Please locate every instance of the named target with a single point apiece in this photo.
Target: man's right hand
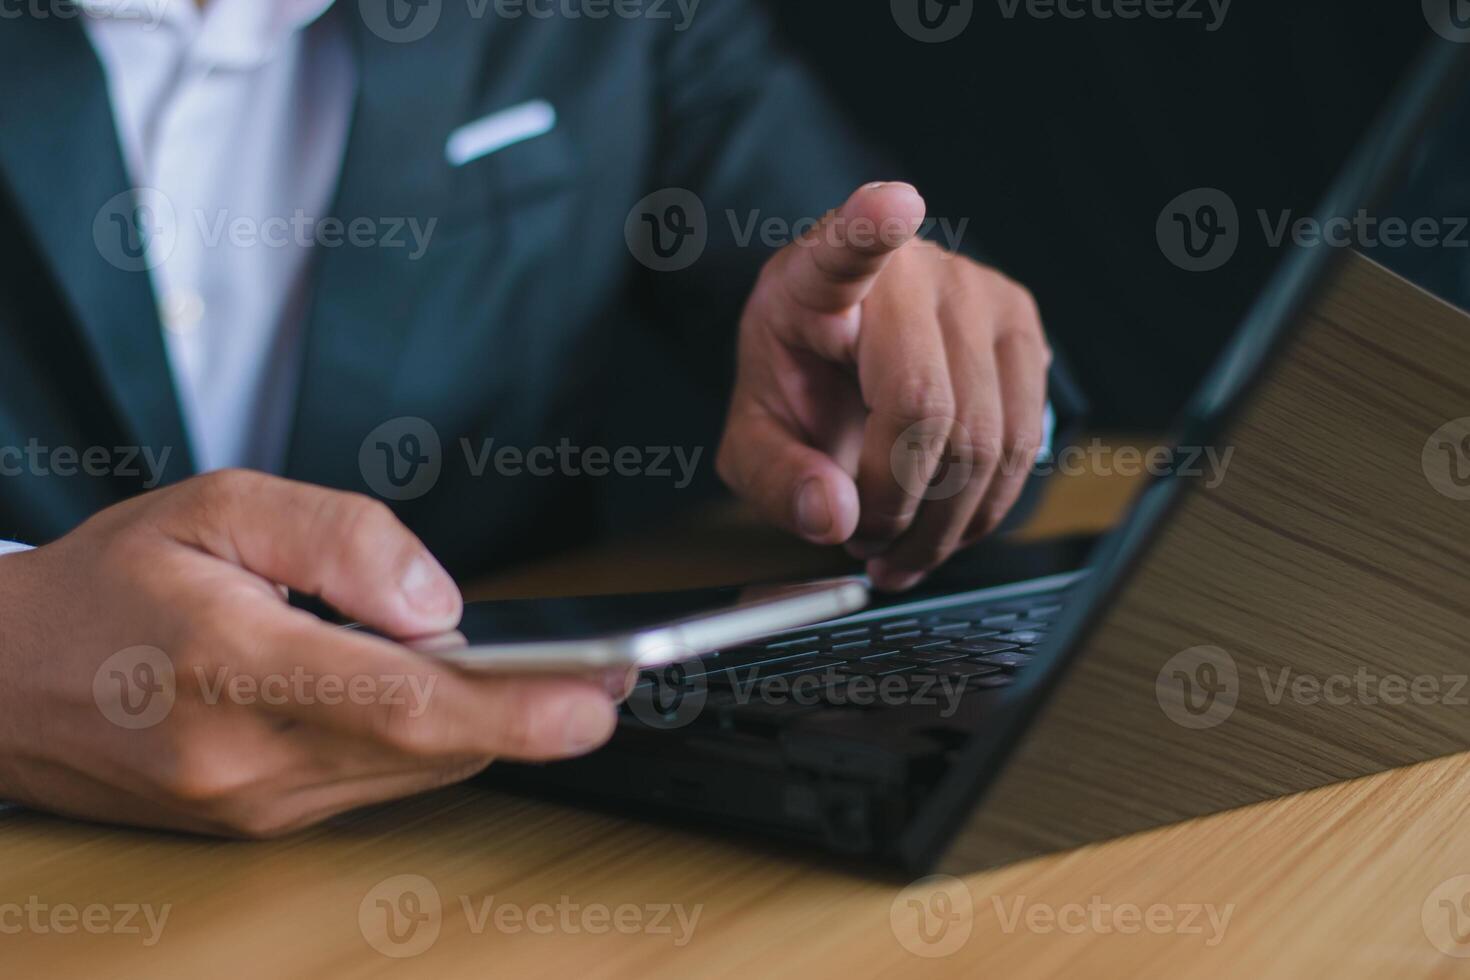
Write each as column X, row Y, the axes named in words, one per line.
column 151, row 671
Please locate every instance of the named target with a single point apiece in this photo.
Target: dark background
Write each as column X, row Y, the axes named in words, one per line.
column 1062, row 140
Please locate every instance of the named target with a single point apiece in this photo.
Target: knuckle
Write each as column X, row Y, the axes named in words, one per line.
column 211, row 502
column 400, row 726
column 1025, row 322
column 918, row 399
column 364, row 518
column 1023, row 301
column 521, row 731
column 219, row 490
column 1021, row 450
column 203, row 778
column 980, row 441
column 356, row 527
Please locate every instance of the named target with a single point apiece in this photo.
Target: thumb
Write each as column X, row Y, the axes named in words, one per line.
column 346, row 549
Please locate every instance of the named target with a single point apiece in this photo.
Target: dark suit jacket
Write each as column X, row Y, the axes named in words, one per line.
column 527, row 320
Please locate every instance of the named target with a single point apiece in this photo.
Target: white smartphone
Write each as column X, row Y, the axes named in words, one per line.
column 594, row 633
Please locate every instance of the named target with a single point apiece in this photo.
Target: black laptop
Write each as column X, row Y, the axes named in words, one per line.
column 1157, row 680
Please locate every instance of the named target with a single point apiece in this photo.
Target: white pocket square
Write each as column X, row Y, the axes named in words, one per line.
column 499, row 130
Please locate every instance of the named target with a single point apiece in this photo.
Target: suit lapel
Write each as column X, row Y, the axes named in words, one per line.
column 60, row 156
column 366, row 300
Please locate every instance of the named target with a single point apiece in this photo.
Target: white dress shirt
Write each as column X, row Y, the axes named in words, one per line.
column 234, row 118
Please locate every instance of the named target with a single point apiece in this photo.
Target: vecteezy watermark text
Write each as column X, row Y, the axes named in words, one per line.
column 137, row 688
column 402, row 917
column 300, row 230
column 403, row 458
column 42, row 918
column 148, row 13
column 1199, row 688
column 669, row 230
column 569, row 459
column 1200, row 230
column 140, row 229
column 1100, row 917
column 406, row 21
column 936, row 916
column 35, row 459
column 1209, row 13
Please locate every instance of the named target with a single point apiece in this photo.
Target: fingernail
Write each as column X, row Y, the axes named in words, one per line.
column 902, row 185
column 620, row 683
column 429, row 590
column 813, row 515
column 887, row 579
column 588, row 725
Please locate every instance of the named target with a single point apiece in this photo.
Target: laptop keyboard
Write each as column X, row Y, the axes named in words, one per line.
column 872, row 665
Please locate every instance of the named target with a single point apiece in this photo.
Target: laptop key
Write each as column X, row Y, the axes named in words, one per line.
column 947, row 628
column 963, row 668
column 1010, row 661
column 799, row 641
column 1043, row 612
column 875, row 654
column 981, row 635
column 919, row 643
column 898, row 624
column 746, row 656
column 981, row 647
column 932, row 656
column 1024, row 637
column 873, row 668
column 1004, row 619
column 850, row 633
column 852, row 645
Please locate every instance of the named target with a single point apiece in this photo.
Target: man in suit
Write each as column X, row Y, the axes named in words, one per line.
column 260, row 254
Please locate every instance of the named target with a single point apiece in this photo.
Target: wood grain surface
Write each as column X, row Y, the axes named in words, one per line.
column 1318, row 582
column 1357, row 879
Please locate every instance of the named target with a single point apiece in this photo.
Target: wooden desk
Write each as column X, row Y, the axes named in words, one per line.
column 1339, row 882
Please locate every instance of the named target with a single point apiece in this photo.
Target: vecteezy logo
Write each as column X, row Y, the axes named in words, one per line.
column 401, row 459
column 136, row 230
column 401, row 21
column 1445, row 916
column 401, row 916
column 671, row 696
column 668, row 230
column 1446, row 459
column 1199, row 687
column 135, row 688
column 932, row 439
column 933, row 21
column 1449, row 18
column 1199, row 230
column 933, row 917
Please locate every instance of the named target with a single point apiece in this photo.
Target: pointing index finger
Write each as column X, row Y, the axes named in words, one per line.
column 833, row 267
